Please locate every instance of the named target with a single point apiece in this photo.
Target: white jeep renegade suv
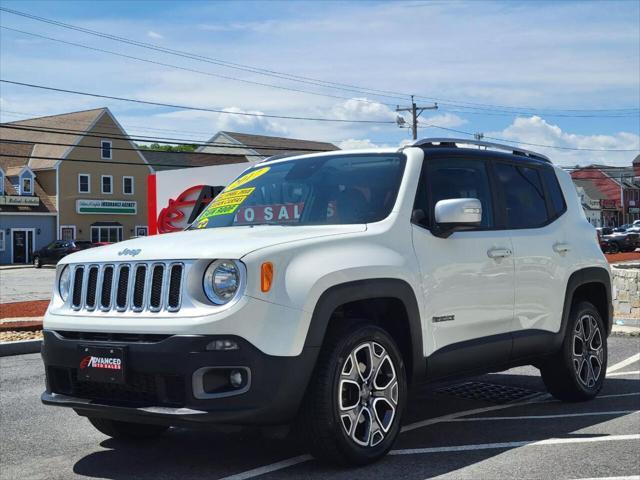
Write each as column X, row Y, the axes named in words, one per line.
column 317, row 289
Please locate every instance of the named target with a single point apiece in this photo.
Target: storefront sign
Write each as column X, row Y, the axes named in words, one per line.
column 634, row 209
column 100, row 207
column 609, row 204
column 20, row 201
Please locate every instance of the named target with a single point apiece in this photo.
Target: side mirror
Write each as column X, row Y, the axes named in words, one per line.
column 456, row 214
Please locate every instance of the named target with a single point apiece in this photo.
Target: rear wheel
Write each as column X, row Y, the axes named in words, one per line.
column 353, row 406
column 127, row 430
column 578, row 370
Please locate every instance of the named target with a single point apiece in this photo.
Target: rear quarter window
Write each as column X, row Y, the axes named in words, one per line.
column 556, row 198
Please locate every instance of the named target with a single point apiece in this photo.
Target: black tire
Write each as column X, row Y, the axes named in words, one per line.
column 127, row 430
column 614, row 248
column 572, row 374
column 37, row 263
column 329, row 432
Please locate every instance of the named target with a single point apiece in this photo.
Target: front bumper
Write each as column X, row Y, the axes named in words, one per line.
column 159, row 386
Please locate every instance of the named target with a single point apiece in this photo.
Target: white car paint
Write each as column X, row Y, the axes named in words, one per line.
column 452, row 276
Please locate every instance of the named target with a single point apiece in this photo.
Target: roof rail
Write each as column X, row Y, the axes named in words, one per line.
column 278, row 156
column 454, row 142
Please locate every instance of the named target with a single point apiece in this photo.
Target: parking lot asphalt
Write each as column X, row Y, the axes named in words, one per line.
column 446, row 435
column 26, row 284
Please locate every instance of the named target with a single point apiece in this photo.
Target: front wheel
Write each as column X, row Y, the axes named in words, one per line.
column 353, row 406
column 127, row 430
column 577, row 371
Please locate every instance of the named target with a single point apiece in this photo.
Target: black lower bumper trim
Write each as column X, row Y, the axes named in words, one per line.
column 159, row 385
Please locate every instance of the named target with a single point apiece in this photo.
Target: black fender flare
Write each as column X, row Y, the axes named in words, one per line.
column 577, row 279
column 347, row 292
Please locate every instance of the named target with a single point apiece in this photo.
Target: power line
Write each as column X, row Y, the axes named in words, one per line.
column 174, row 141
column 298, row 78
column 223, row 63
column 535, row 144
column 217, row 75
column 173, row 165
column 109, row 162
column 125, row 137
column 199, row 109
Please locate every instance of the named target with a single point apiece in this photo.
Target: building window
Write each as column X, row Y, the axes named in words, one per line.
column 1, row 240
column 84, row 183
column 1, row 182
column 107, row 184
column 26, row 186
column 105, row 149
column 127, row 185
column 106, row 234
column 67, row 232
column 141, row 231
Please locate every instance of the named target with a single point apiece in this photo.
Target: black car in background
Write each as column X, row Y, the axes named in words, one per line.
column 52, row 253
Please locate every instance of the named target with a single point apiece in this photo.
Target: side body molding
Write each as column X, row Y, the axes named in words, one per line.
column 370, row 289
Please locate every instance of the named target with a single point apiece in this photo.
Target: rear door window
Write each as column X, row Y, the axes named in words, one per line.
column 523, row 195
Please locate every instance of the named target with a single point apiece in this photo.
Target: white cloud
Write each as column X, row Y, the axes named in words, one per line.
column 361, row 108
column 156, row 35
column 538, row 131
column 357, row 144
column 448, row 120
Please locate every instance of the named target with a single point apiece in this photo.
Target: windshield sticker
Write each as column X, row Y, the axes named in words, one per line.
column 247, row 178
column 226, row 203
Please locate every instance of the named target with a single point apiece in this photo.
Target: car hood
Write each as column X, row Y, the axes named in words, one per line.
column 225, row 242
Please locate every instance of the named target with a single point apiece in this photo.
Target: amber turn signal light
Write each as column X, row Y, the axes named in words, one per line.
column 266, row 276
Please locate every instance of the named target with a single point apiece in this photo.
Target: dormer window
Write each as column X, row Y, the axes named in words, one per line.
column 25, row 182
column 105, row 150
column 27, row 186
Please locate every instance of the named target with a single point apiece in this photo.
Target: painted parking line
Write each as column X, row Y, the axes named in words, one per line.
column 619, row 374
column 630, row 394
column 524, row 443
column 539, row 398
column 444, row 418
column 545, row 417
column 632, row 359
column 630, row 477
column 273, row 467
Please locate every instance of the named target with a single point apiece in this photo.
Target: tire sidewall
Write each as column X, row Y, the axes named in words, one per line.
column 356, row 453
column 577, row 312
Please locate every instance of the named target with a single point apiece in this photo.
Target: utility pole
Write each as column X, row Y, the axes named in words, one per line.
column 416, row 111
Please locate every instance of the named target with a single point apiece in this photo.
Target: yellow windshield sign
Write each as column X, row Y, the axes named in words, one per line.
column 247, row 178
column 224, row 204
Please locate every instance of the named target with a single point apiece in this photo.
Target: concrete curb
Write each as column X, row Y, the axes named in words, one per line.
column 19, row 347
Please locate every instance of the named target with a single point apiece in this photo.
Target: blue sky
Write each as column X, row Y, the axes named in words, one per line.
column 541, row 59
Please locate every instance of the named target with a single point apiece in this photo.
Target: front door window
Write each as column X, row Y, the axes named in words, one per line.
column 22, row 242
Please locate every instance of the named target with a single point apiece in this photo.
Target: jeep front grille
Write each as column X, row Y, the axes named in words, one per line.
column 136, row 287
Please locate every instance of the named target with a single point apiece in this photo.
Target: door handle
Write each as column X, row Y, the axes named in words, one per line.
column 499, row 253
column 561, row 247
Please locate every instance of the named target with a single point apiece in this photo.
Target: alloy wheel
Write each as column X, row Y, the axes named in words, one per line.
column 588, row 350
column 368, row 394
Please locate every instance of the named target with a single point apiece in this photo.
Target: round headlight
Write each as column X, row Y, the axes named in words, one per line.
column 64, row 283
column 222, row 281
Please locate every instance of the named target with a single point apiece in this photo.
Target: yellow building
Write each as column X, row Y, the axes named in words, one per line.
column 86, row 162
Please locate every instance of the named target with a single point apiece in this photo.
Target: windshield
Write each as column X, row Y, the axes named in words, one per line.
column 325, row 190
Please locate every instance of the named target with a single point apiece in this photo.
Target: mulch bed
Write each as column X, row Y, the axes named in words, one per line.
column 622, row 257
column 35, row 308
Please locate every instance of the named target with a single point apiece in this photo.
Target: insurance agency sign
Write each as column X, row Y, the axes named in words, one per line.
column 120, row 207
